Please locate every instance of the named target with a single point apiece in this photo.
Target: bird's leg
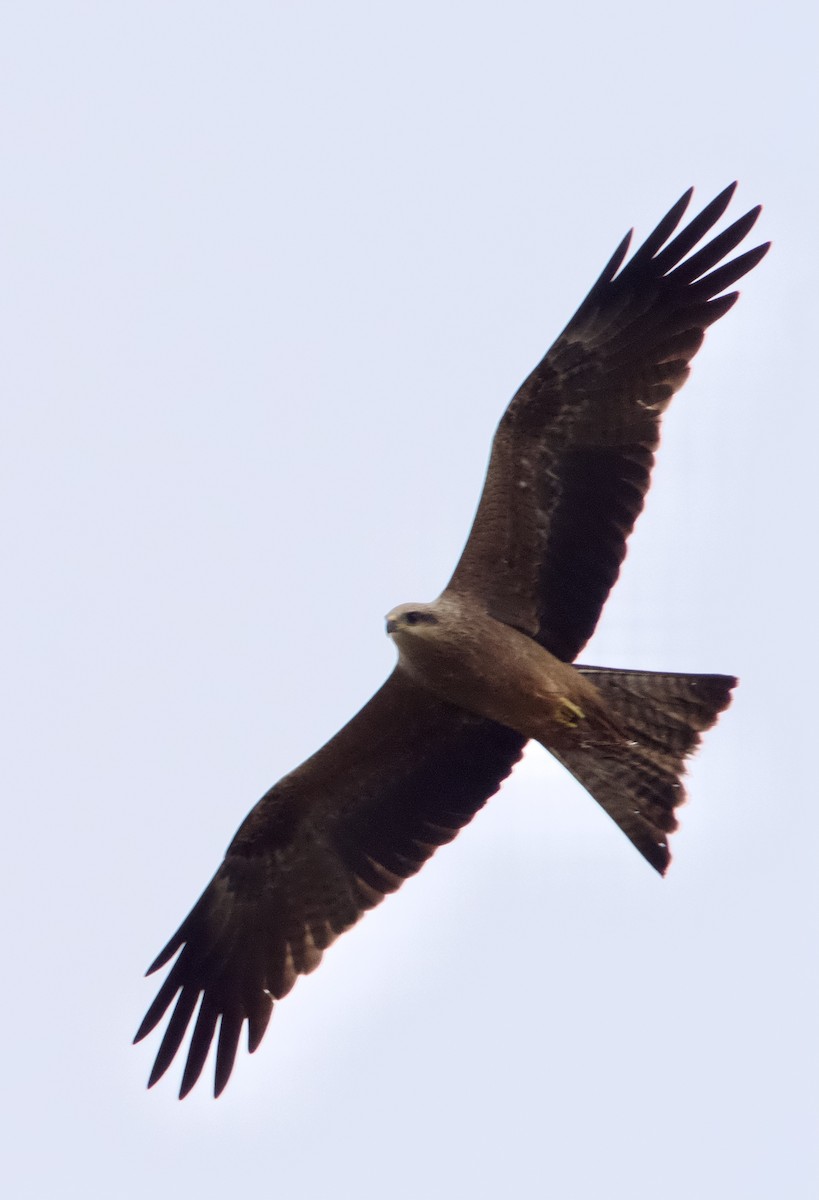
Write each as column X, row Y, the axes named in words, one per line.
column 568, row 714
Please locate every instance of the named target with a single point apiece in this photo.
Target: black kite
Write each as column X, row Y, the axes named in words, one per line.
column 486, row 666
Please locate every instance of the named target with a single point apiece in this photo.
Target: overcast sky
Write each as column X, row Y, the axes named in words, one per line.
column 269, row 274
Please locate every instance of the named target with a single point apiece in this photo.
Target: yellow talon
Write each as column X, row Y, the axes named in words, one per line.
column 569, row 714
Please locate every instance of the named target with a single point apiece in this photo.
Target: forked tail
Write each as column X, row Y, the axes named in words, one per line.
column 637, row 778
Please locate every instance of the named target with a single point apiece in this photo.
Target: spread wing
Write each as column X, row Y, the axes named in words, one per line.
column 572, row 457
column 320, row 848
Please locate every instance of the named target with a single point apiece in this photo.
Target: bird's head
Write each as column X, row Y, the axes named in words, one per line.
column 411, row 620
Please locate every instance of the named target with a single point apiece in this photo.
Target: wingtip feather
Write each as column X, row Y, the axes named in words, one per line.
column 230, row 1031
column 166, row 953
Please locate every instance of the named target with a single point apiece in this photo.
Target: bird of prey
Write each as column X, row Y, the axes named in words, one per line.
column 486, row 666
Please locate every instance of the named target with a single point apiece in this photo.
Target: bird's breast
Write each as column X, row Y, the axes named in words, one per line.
column 492, row 670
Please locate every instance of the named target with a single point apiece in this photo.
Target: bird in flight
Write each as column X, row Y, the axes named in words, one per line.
column 485, row 667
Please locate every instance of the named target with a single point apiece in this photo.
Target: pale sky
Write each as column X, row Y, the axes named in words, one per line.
column 269, row 274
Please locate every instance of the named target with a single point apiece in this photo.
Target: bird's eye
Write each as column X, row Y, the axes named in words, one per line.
column 413, row 617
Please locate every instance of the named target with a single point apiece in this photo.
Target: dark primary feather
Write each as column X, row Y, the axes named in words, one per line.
column 572, row 457
column 323, row 846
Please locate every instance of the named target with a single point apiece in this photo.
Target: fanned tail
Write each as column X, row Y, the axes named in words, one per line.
column 637, row 777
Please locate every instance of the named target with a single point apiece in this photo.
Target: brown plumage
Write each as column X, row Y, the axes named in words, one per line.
column 486, row 666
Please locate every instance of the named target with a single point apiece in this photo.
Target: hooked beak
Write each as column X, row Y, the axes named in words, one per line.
column 392, row 624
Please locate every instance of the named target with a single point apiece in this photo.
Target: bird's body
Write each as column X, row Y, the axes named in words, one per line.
column 487, row 666
column 489, row 669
